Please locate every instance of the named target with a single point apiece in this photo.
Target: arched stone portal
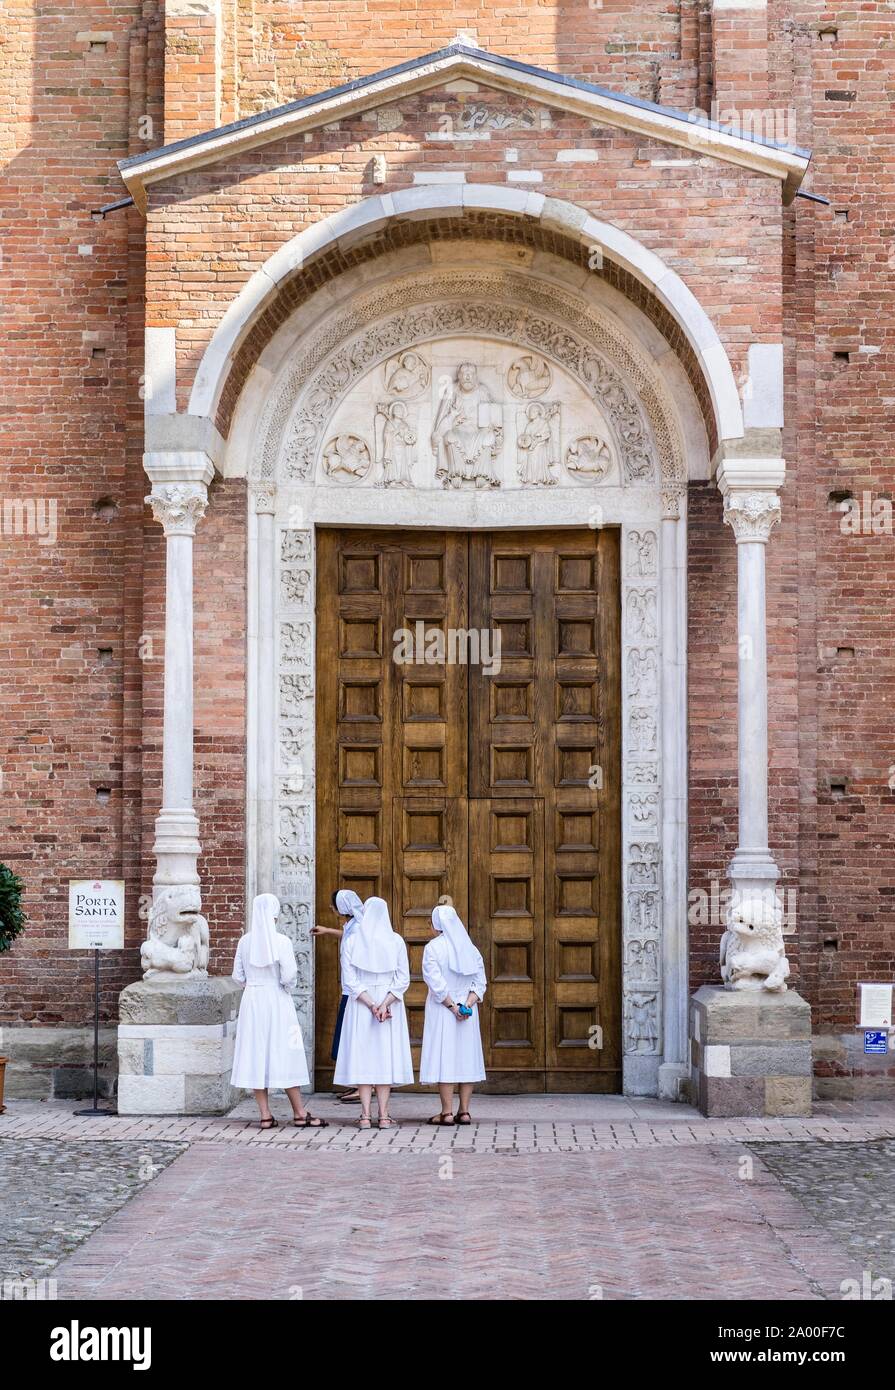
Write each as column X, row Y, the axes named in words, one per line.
column 296, row 391
column 586, row 430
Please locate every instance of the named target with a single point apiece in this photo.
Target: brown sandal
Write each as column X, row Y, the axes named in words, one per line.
column 310, row 1122
column 444, row 1119
column 460, row 1120
column 270, row 1123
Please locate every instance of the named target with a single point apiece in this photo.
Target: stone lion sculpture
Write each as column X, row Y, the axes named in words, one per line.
column 178, row 934
column 753, row 955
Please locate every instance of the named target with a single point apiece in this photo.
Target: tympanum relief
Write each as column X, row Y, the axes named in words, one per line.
column 466, row 413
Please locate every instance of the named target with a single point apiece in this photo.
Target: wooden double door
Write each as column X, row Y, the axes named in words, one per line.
column 468, row 747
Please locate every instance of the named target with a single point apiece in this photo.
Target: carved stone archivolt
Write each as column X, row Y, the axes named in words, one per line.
column 387, row 330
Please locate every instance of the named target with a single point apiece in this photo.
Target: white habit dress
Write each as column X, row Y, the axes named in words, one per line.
column 452, row 1051
column 269, row 1046
column 373, row 1053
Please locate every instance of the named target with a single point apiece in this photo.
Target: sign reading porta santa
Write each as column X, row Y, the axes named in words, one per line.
column 96, row 914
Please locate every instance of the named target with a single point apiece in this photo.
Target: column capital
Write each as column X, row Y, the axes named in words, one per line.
column 264, row 495
column 752, row 515
column 178, row 507
column 673, row 498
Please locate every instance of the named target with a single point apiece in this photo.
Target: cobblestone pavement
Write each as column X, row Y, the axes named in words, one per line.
column 664, row 1223
column 54, row 1194
column 849, row 1189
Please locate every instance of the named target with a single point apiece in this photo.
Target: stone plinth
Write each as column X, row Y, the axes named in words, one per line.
column 750, row 1052
column 175, row 1046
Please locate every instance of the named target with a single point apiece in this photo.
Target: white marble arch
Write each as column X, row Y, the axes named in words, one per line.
column 354, row 224
column 533, row 302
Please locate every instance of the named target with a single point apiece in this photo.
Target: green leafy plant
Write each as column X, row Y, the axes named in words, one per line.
column 12, row 918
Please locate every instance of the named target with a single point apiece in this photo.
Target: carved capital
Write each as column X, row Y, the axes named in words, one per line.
column 752, row 515
column 264, row 496
column 672, row 502
column 178, row 507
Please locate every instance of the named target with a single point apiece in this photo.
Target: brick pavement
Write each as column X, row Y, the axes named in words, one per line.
column 506, row 1124
column 275, row 1222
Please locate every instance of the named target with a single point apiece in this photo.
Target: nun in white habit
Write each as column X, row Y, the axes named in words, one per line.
column 348, row 905
column 452, row 1043
column 269, row 1047
column 374, row 1049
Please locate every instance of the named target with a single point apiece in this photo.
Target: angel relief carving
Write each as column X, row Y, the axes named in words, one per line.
column 406, row 375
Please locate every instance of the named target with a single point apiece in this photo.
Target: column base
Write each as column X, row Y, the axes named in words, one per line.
column 753, row 874
column 175, row 1046
column 750, row 1052
column 673, row 1080
column 176, row 849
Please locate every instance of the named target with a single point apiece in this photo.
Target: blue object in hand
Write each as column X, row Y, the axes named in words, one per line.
column 465, row 1011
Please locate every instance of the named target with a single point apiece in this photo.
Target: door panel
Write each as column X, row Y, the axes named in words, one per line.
column 430, row 841
column 507, row 924
column 548, row 725
column 500, row 790
column 387, row 728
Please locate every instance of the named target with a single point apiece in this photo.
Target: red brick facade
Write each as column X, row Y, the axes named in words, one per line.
column 83, row 625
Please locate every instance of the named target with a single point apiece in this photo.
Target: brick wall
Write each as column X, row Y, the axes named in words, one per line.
column 84, row 86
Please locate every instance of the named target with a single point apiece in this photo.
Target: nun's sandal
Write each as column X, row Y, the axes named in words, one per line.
column 460, row 1118
column 446, row 1118
column 269, row 1123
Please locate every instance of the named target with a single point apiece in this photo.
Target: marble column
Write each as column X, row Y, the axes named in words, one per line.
column 751, row 509
column 178, row 499
column 675, row 947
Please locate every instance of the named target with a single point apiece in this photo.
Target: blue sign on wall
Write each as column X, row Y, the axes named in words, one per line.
column 876, row 1042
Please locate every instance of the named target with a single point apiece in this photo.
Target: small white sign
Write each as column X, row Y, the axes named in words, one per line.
column 96, row 914
column 876, row 1006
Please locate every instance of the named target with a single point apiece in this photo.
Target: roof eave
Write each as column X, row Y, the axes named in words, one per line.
column 644, row 118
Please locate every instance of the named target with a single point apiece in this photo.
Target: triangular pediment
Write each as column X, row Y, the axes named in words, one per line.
column 598, row 104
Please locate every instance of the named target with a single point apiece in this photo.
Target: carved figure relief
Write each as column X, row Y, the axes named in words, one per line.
column 589, row 456
column 346, row 457
column 406, row 375
column 641, row 1023
column 529, row 376
column 468, row 432
column 641, row 554
column 537, row 443
column 395, row 444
